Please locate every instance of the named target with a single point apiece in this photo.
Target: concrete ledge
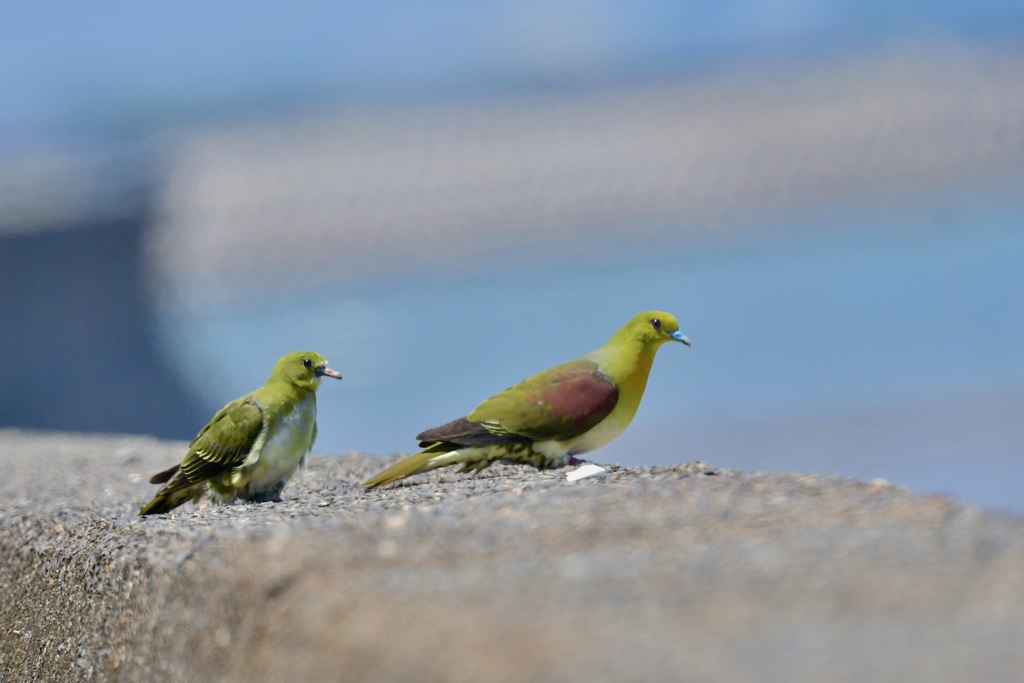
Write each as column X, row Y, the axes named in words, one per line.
column 668, row 573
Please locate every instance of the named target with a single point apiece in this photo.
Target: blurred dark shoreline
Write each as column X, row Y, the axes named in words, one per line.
column 79, row 348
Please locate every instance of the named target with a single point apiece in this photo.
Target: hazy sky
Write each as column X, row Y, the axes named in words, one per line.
column 66, row 67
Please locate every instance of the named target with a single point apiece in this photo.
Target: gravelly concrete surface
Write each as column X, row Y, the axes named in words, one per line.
column 680, row 573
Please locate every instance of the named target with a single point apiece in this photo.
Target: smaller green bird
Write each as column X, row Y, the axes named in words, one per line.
column 253, row 445
column 554, row 415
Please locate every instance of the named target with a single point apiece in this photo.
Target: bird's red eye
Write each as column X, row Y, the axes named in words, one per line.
column 307, row 362
column 656, row 324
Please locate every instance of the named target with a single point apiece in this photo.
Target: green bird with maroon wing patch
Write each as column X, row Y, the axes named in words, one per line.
column 554, row 415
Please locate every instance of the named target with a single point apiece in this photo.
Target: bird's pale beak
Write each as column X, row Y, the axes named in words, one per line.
column 322, row 370
column 679, row 336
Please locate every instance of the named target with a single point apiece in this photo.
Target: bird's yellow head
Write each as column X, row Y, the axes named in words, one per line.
column 303, row 369
column 652, row 329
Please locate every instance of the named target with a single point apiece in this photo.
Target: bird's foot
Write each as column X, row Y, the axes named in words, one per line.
column 574, row 461
column 263, row 497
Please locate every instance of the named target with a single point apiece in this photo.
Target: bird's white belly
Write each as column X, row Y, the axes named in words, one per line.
column 285, row 448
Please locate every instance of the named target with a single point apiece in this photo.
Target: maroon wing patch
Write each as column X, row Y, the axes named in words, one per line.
column 559, row 403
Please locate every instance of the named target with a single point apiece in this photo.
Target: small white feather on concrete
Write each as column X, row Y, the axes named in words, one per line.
column 586, row 472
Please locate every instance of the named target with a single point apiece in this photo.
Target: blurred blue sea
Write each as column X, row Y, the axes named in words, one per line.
column 853, row 354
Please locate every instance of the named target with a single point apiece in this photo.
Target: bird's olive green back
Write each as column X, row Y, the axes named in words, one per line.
column 226, row 441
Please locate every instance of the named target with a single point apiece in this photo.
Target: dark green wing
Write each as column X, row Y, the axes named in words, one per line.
column 558, row 403
column 462, row 432
column 225, row 442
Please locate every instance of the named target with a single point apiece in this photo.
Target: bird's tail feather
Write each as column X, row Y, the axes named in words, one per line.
column 178, row 492
column 165, row 476
column 430, row 458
